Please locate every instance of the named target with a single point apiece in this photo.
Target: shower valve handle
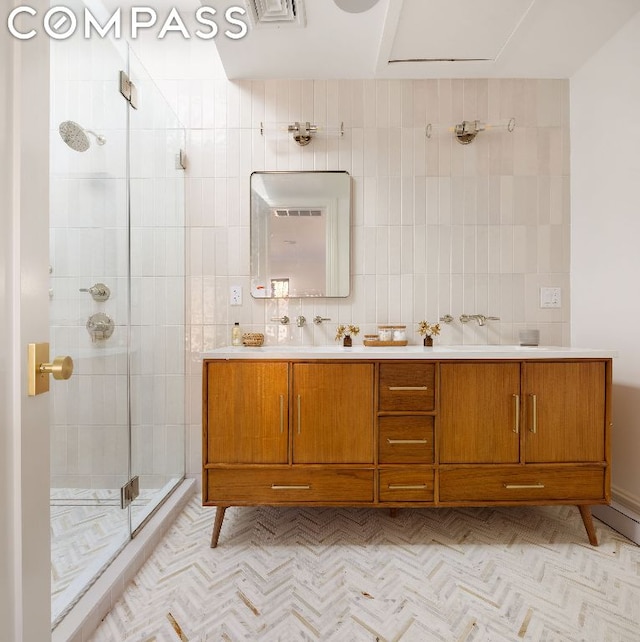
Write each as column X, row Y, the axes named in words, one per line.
column 99, row 292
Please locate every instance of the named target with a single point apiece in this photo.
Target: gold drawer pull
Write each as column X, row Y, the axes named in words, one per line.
column 394, row 388
column 290, row 487
column 516, row 424
column 534, row 413
column 407, row 486
column 521, row 486
column 281, row 414
column 407, row 441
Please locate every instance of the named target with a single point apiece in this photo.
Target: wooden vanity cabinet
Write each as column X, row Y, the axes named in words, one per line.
column 406, row 433
column 525, row 432
column 287, row 433
column 479, row 413
column 248, row 405
column 332, row 413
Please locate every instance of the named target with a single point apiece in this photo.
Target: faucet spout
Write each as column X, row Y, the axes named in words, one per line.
column 480, row 318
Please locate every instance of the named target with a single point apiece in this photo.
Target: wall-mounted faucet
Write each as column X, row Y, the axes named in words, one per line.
column 301, row 321
column 318, row 319
column 480, row 318
column 283, row 320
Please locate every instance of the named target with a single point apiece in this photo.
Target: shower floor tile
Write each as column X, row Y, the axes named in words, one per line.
column 88, row 528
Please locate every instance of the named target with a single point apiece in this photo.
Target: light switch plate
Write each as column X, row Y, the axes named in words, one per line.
column 235, row 295
column 550, row 297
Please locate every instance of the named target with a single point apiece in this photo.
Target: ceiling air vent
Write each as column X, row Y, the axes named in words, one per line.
column 276, row 13
column 298, row 212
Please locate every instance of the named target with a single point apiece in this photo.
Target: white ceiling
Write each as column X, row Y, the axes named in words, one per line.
column 512, row 38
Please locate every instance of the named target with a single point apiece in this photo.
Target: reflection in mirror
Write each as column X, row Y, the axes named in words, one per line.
column 300, row 231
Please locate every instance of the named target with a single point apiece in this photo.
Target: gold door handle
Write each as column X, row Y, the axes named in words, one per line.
column 534, row 414
column 516, row 423
column 406, row 441
column 40, row 368
column 298, row 414
column 61, row 368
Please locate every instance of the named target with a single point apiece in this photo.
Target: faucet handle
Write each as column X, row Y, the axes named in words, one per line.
column 283, row 320
column 99, row 292
column 318, row 319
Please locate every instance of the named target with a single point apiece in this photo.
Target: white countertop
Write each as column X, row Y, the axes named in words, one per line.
column 408, row 352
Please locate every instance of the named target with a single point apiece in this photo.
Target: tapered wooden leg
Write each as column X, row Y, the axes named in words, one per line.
column 393, row 512
column 587, row 520
column 217, row 525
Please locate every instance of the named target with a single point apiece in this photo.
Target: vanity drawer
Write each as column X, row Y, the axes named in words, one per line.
column 288, row 485
column 405, row 485
column 522, row 483
column 405, row 440
column 407, row 386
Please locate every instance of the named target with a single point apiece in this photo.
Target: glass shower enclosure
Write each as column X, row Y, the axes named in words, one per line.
column 117, row 261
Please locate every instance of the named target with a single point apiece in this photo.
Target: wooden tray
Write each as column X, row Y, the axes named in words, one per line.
column 383, row 344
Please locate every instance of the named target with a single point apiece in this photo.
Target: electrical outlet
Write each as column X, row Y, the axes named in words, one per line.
column 235, row 295
column 550, row 297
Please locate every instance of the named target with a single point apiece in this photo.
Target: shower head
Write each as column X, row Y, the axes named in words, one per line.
column 76, row 137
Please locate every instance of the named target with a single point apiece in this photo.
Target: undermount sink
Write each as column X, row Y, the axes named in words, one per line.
column 493, row 348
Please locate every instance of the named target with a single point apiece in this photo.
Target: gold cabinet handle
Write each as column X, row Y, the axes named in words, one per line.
column 298, row 414
column 521, row 486
column 407, row 486
column 290, row 487
column 281, row 414
column 534, row 414
column 406, row 441
column 516, row 423
column 395, row 388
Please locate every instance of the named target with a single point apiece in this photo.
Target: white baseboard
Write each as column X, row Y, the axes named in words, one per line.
column 620, row 518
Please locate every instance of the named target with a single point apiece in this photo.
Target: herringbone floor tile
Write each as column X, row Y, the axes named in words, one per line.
column 297, row 574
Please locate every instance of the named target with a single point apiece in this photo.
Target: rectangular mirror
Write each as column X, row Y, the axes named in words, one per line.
column 300, row 234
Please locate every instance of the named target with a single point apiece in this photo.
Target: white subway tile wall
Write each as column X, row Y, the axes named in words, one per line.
column 437, row 228
column 90, row 244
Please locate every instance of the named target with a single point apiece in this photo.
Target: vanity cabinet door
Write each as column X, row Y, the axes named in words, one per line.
column 332, row 409
column 479, row 413
column 564, row 411
column 246, row 412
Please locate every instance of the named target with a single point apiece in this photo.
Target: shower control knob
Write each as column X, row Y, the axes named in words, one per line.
column 99, row 292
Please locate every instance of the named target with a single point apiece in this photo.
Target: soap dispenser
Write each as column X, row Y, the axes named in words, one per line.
column 236, row 335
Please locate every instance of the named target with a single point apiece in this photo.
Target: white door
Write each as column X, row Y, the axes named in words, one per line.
column 24, row 421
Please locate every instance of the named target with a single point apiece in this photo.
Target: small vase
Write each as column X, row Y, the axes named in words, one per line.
column 347, row 341
column 428, row 342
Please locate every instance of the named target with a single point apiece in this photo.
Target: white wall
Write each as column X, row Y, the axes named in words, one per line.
column 605, row 212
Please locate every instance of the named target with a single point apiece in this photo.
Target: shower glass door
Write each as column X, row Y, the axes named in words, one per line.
column 89, row 313
column 157, row 295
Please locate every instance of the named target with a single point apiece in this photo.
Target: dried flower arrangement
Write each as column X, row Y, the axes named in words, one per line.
column 428, row 331
column 344, row 332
